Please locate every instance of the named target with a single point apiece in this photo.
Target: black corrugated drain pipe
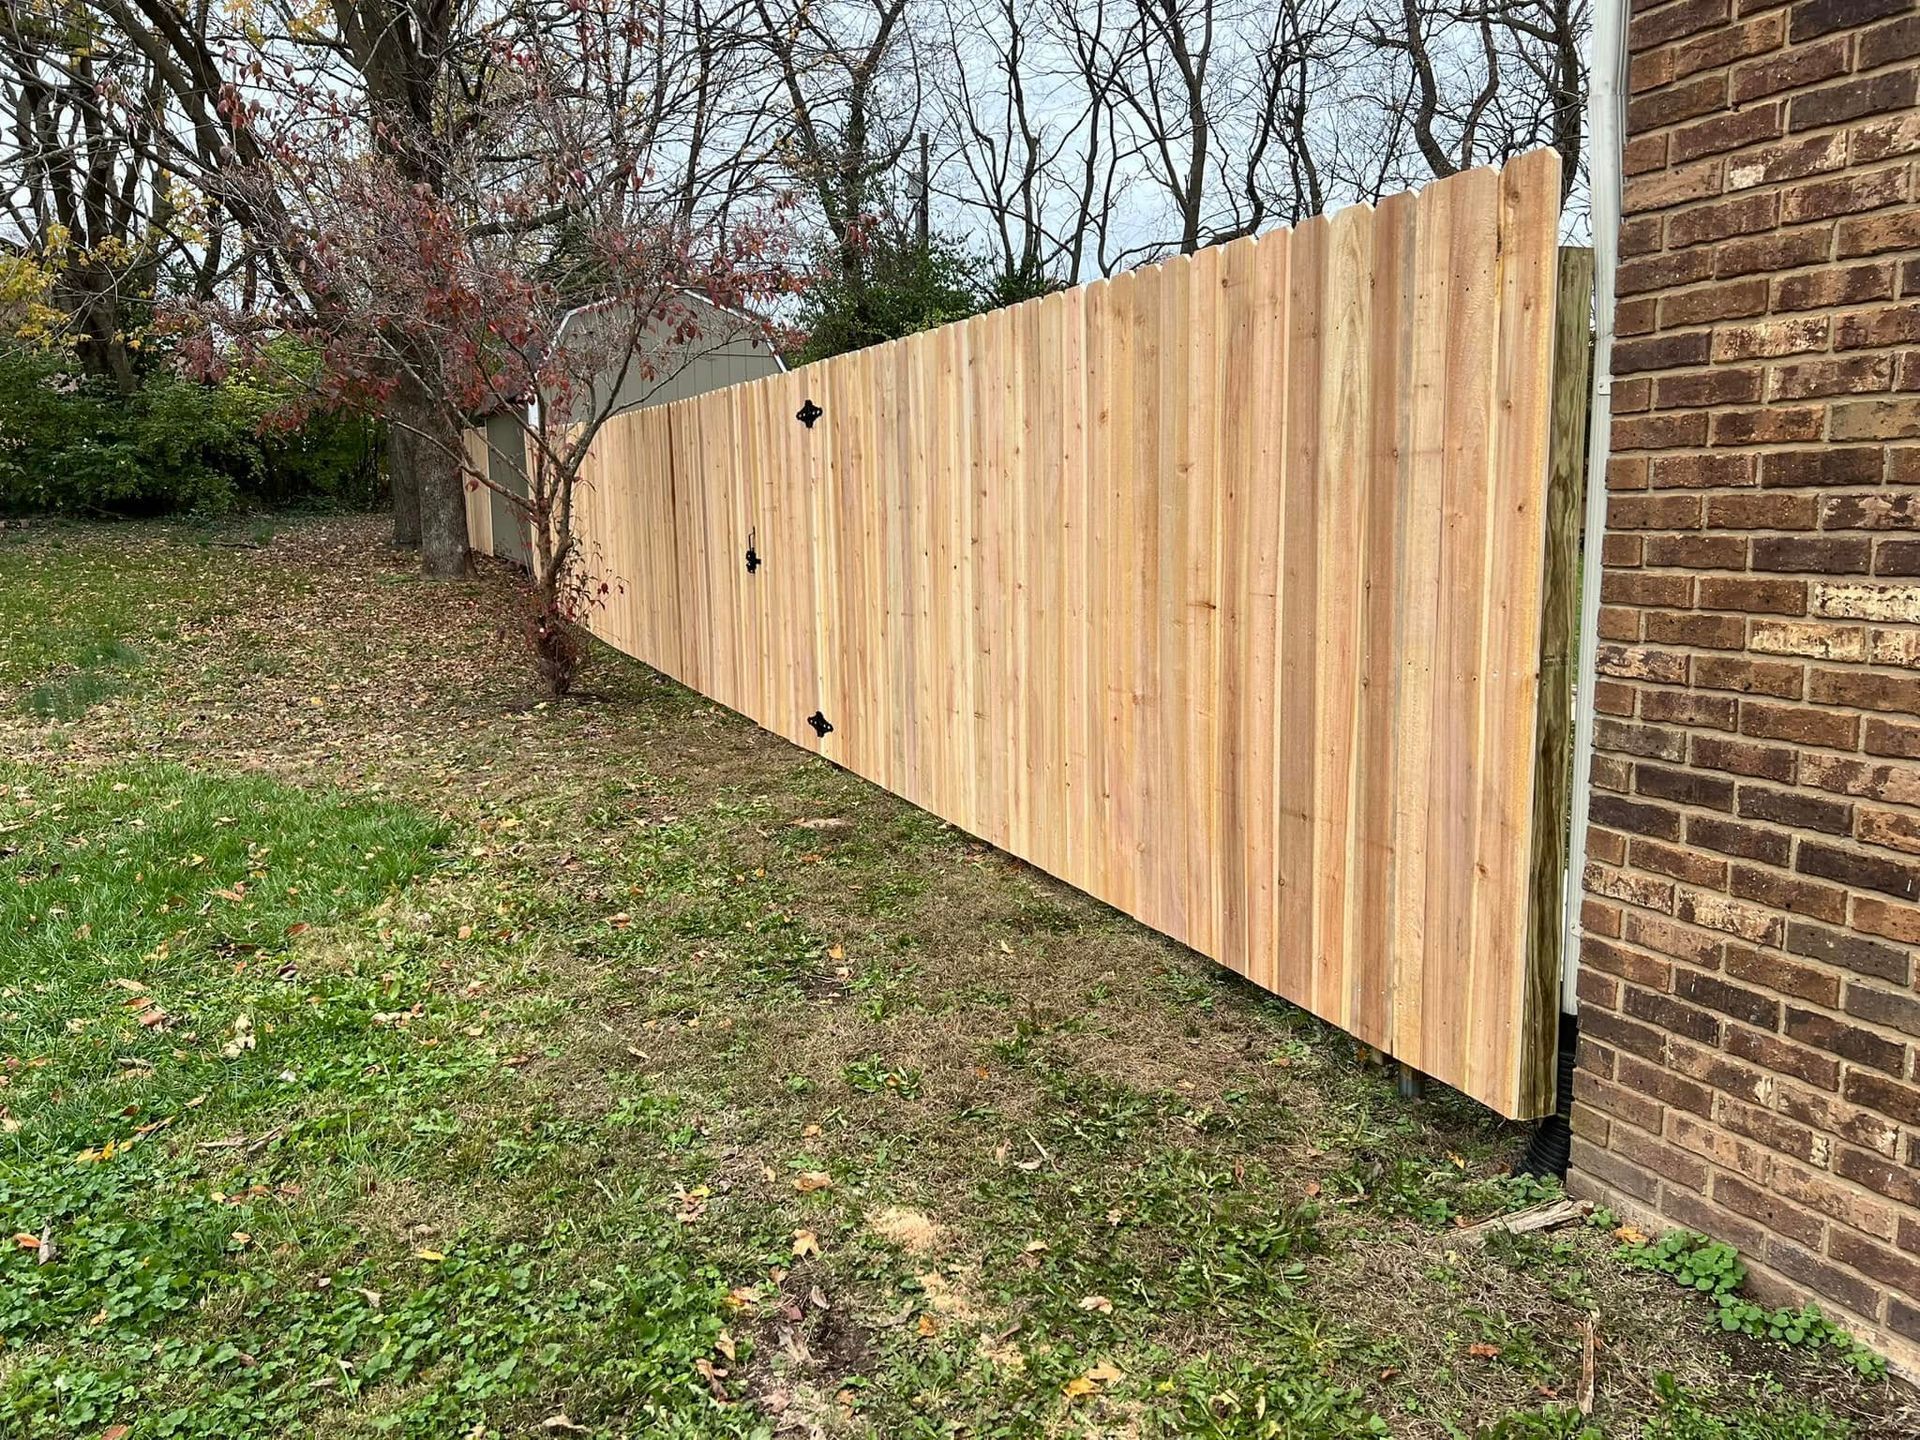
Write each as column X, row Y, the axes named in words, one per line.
column 1551, row 1143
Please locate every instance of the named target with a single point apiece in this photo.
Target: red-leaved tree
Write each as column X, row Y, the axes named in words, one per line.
column 563, row 250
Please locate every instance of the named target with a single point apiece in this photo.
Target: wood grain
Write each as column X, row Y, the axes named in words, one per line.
column 1217, row 589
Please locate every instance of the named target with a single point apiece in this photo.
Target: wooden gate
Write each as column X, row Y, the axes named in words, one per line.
column 1218, row 589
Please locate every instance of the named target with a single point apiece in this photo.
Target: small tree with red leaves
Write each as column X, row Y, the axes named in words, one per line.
column 561, row 256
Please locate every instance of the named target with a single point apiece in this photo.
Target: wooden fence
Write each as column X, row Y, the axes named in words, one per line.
column 1218, row 589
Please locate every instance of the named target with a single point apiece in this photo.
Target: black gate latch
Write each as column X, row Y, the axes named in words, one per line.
column 821, row 726
column 753, row 556
column 808, row 413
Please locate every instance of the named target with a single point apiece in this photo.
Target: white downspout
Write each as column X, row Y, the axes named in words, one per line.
column 1606, row 111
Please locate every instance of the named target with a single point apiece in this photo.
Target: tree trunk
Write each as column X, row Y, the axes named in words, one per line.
column 443, row 506
column 404, row 479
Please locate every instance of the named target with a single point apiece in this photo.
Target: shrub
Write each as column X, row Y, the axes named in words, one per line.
column 69, row 444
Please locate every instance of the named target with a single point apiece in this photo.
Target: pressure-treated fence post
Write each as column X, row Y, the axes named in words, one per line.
column 1559, row 642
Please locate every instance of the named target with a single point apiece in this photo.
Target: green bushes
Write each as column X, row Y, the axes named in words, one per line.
column 70, row 444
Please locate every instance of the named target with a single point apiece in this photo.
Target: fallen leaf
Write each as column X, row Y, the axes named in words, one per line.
column 805, row 1243
column 928, row 1327
column 808, row 1181
column 1480, row 1350
column 428, row 1255
column 1098, row 1303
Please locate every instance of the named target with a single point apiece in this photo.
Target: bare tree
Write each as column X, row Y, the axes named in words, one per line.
column 849, row 81
column 1484, row 80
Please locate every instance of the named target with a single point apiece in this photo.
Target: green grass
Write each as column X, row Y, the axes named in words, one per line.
column 218, row 1045
column 510, row 1070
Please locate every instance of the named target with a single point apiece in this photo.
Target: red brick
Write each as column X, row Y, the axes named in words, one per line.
column 1779, row 891
column 1871, row 512
column 1627, row 472
column 1697, row 552
column 1644, row 153
column 1846, row 194
column 1790, row 807
column 1798, row 724
column 1610, row 1169
column 1718, row 912
column 1633, row 397
column 1760, row 512
column 1729, row 130
column 1821, row 17
column 1670, row 938
column 1713, row 49
column 1888, row 737
column 1829, row 105
column 1884, row 1008
column 1633, row 587
column 1681, row 863
column 1883, row 1177
column 1736, row 757
column 1734, row 301
column 1767, row 1128
column 1706, row 93
column 1661, row 432
column 1667, row 1161
column 1671, row 22
column 1775, row 1214
column 1885, row 1266
column 1650, row 741
column 1754, row 595
column 1850, row 1042
column 1876, row 234
column 1712, row 992
column 1708, row 632
column 1681, row 707
column 1885, row 325
column 1827, row 465
column 1806, row 553
column 1780, row 252
column 1849, row 952
column 1661, row 352
column 1821, row 1193
column 1876, row 420
column 1856, row 374
column 1828, row 1282
column 1724, row 385
column 1858, row 869
column 1788, row 160
column 1657, row 190
column 1775, row 972
column 1865, row 690
column 1649, row 70
column 1617, row 1101
column 1897, row 783
column 1767, row 338
column 1886, row 138
column 1898, row 41
column 1782, row 680
column 1777, row 425
column 1848, row 285
column 1750, row 842
column 1791, row 69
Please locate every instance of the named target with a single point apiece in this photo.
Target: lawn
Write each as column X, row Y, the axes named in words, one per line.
column 383, row 1053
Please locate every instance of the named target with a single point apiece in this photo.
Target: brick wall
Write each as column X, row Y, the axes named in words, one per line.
column 1750, row 1030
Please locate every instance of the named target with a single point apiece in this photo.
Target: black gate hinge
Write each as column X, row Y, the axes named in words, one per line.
column 753, row 556
column 808, row 413
column 821, row 725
